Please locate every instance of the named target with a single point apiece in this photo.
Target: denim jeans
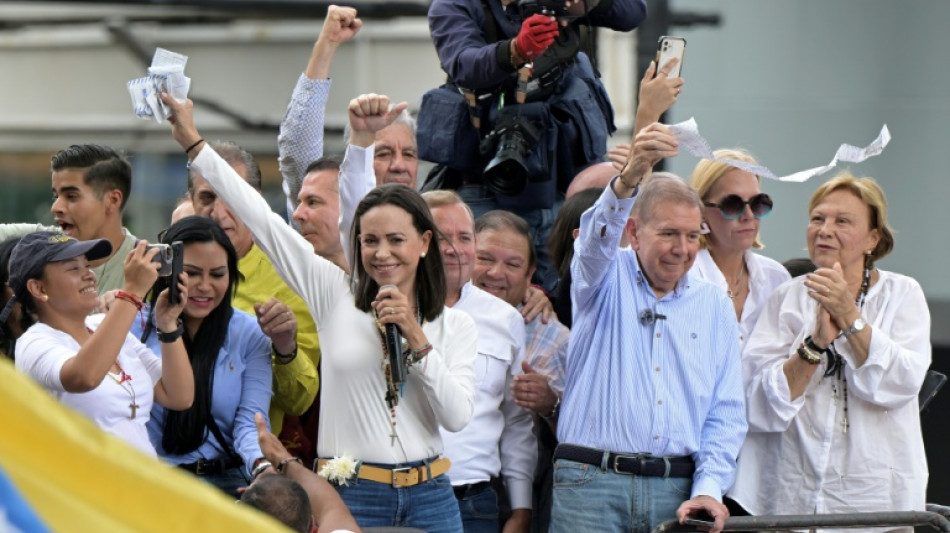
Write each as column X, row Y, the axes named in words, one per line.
column 429, row 506
column 589, row 499
column 541, row 221
column 480, row 512
column 228, row 481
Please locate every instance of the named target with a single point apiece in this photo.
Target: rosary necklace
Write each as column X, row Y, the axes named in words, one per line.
column 124, row 381
column 835, row 361
column 392, row 395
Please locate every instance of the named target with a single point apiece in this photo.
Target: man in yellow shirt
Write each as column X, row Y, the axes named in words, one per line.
column 295, row 378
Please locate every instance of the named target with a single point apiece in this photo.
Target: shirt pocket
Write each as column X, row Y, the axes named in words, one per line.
column 491, row 367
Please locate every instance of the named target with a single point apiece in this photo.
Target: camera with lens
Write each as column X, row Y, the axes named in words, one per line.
column 512, row 139
column 552, row 8
column 165, row 257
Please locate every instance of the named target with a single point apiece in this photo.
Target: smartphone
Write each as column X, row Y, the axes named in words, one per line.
column 666, row 49
column 178, row 256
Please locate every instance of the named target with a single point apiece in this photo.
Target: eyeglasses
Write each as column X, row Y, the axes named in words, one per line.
column 731, row 207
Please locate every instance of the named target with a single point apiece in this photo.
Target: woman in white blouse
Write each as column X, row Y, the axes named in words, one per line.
column 735, row 207
column 833, row 368
column 378, row 438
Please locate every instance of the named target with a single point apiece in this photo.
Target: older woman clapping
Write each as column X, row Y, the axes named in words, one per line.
column 833, row 368
column 735, row 207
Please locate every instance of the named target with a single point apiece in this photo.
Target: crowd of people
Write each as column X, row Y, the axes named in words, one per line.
column 599, row 350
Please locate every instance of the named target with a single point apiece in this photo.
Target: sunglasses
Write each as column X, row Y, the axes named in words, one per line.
column 731, row 207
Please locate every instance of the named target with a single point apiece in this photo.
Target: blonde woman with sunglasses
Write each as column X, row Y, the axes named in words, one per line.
column 734, row 208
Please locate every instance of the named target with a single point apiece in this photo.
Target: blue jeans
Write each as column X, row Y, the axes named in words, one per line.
column 589, row 499
column 429, row 506
column 541, row 221
column 480, row 512
column 228, row 481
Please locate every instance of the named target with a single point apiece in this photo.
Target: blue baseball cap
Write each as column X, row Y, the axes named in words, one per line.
column 37, row 249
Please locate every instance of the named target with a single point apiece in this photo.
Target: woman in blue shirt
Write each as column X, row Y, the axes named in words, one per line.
column 216, row 438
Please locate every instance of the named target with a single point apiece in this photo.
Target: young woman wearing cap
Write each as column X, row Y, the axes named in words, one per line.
column 93, row 364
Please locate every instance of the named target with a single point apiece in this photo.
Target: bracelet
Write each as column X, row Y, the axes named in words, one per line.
column 416, row 355
column 814, row 347
column 809, row 356
column 262, row 465
column 129, row 297
column 171, row 336
column 281, row 358
column 192, row 147
column 282, row 465
column 555, row 410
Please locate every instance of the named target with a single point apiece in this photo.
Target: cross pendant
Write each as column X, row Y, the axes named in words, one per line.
column 134, row 407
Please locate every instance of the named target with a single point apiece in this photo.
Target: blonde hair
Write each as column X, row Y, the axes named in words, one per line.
column 708, row 172
column 444, row 198
column 869, row 192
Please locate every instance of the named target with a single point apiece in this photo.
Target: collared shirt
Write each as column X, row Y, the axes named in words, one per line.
column 242, row 387
column 499, row 438
column 111, row 274
column 797, row 458
column 546, row 349
column 300, row 141
column 765, row 275
column 670, row 387
column 296, row 383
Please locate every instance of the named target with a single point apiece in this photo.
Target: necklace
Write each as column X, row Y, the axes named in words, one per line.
column 391, row 396
column 836, row 363
column 124, row 380
column 736, row 289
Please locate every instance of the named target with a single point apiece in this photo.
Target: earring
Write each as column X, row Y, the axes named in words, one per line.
column 45, row 297
column 422, row 255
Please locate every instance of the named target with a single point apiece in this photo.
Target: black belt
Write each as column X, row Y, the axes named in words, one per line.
column 467, row 491
column 637, row 464
column 204, row 467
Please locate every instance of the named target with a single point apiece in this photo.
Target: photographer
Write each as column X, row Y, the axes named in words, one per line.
column 542, row 132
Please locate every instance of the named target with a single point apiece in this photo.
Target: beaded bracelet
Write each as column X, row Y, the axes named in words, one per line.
column 283, row 359
column 416, row 355
column 129, row 297
column 555, row 410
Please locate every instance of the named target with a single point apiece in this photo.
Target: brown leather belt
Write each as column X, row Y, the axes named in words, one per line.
column 400, row 477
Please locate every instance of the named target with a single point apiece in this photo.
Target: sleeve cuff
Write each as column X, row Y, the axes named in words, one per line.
column 706, row 487
column 503, row 56
column 519, row 493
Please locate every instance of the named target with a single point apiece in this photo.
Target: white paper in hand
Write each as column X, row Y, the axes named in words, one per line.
column 167, row 74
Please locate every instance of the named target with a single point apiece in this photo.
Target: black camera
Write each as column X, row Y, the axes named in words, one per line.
column 512, row 139
column 552, row 8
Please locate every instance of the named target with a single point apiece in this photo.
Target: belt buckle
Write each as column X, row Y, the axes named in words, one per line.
column 616, row 463
column 396, row 484
column 200, row 466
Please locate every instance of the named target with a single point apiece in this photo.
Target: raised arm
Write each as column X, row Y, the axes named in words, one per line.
column 301, row 132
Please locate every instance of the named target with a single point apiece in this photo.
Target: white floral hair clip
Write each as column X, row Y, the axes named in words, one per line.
column 338, row 470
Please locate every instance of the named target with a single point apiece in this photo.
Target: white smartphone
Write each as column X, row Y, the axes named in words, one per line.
column 666, row 49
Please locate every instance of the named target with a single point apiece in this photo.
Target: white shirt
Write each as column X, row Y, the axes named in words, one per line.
column 499, row 438
column 354, row 416
column 41, row 353
column 765, row 275
column 797, row 459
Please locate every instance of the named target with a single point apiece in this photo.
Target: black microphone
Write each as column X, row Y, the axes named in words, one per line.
column 647, row 317
column 394, row 348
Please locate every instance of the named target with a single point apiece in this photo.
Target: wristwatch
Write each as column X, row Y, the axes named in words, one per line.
column 856, row 327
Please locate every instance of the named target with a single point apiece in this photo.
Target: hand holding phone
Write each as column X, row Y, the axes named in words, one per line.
column 668, row 48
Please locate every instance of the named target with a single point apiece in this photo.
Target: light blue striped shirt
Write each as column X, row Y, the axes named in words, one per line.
column 673, row 387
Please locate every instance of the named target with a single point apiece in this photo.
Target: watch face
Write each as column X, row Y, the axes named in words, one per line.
column 858, row 325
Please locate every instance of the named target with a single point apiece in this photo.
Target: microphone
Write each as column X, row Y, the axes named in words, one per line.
column 393, row 343
column 647, row 317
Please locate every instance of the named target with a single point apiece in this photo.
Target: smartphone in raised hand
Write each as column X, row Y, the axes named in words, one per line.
column 668, row 48
column 178, row 253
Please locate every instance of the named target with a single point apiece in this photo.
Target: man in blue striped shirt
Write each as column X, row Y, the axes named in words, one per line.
column 653, row 413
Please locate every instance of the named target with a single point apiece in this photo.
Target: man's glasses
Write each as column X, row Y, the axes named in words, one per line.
column 731, row 207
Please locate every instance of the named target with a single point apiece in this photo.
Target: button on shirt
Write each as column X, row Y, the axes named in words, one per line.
column 499, row 438
column 672, row 387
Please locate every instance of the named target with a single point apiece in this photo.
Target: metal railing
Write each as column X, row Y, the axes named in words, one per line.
column 935, row 516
